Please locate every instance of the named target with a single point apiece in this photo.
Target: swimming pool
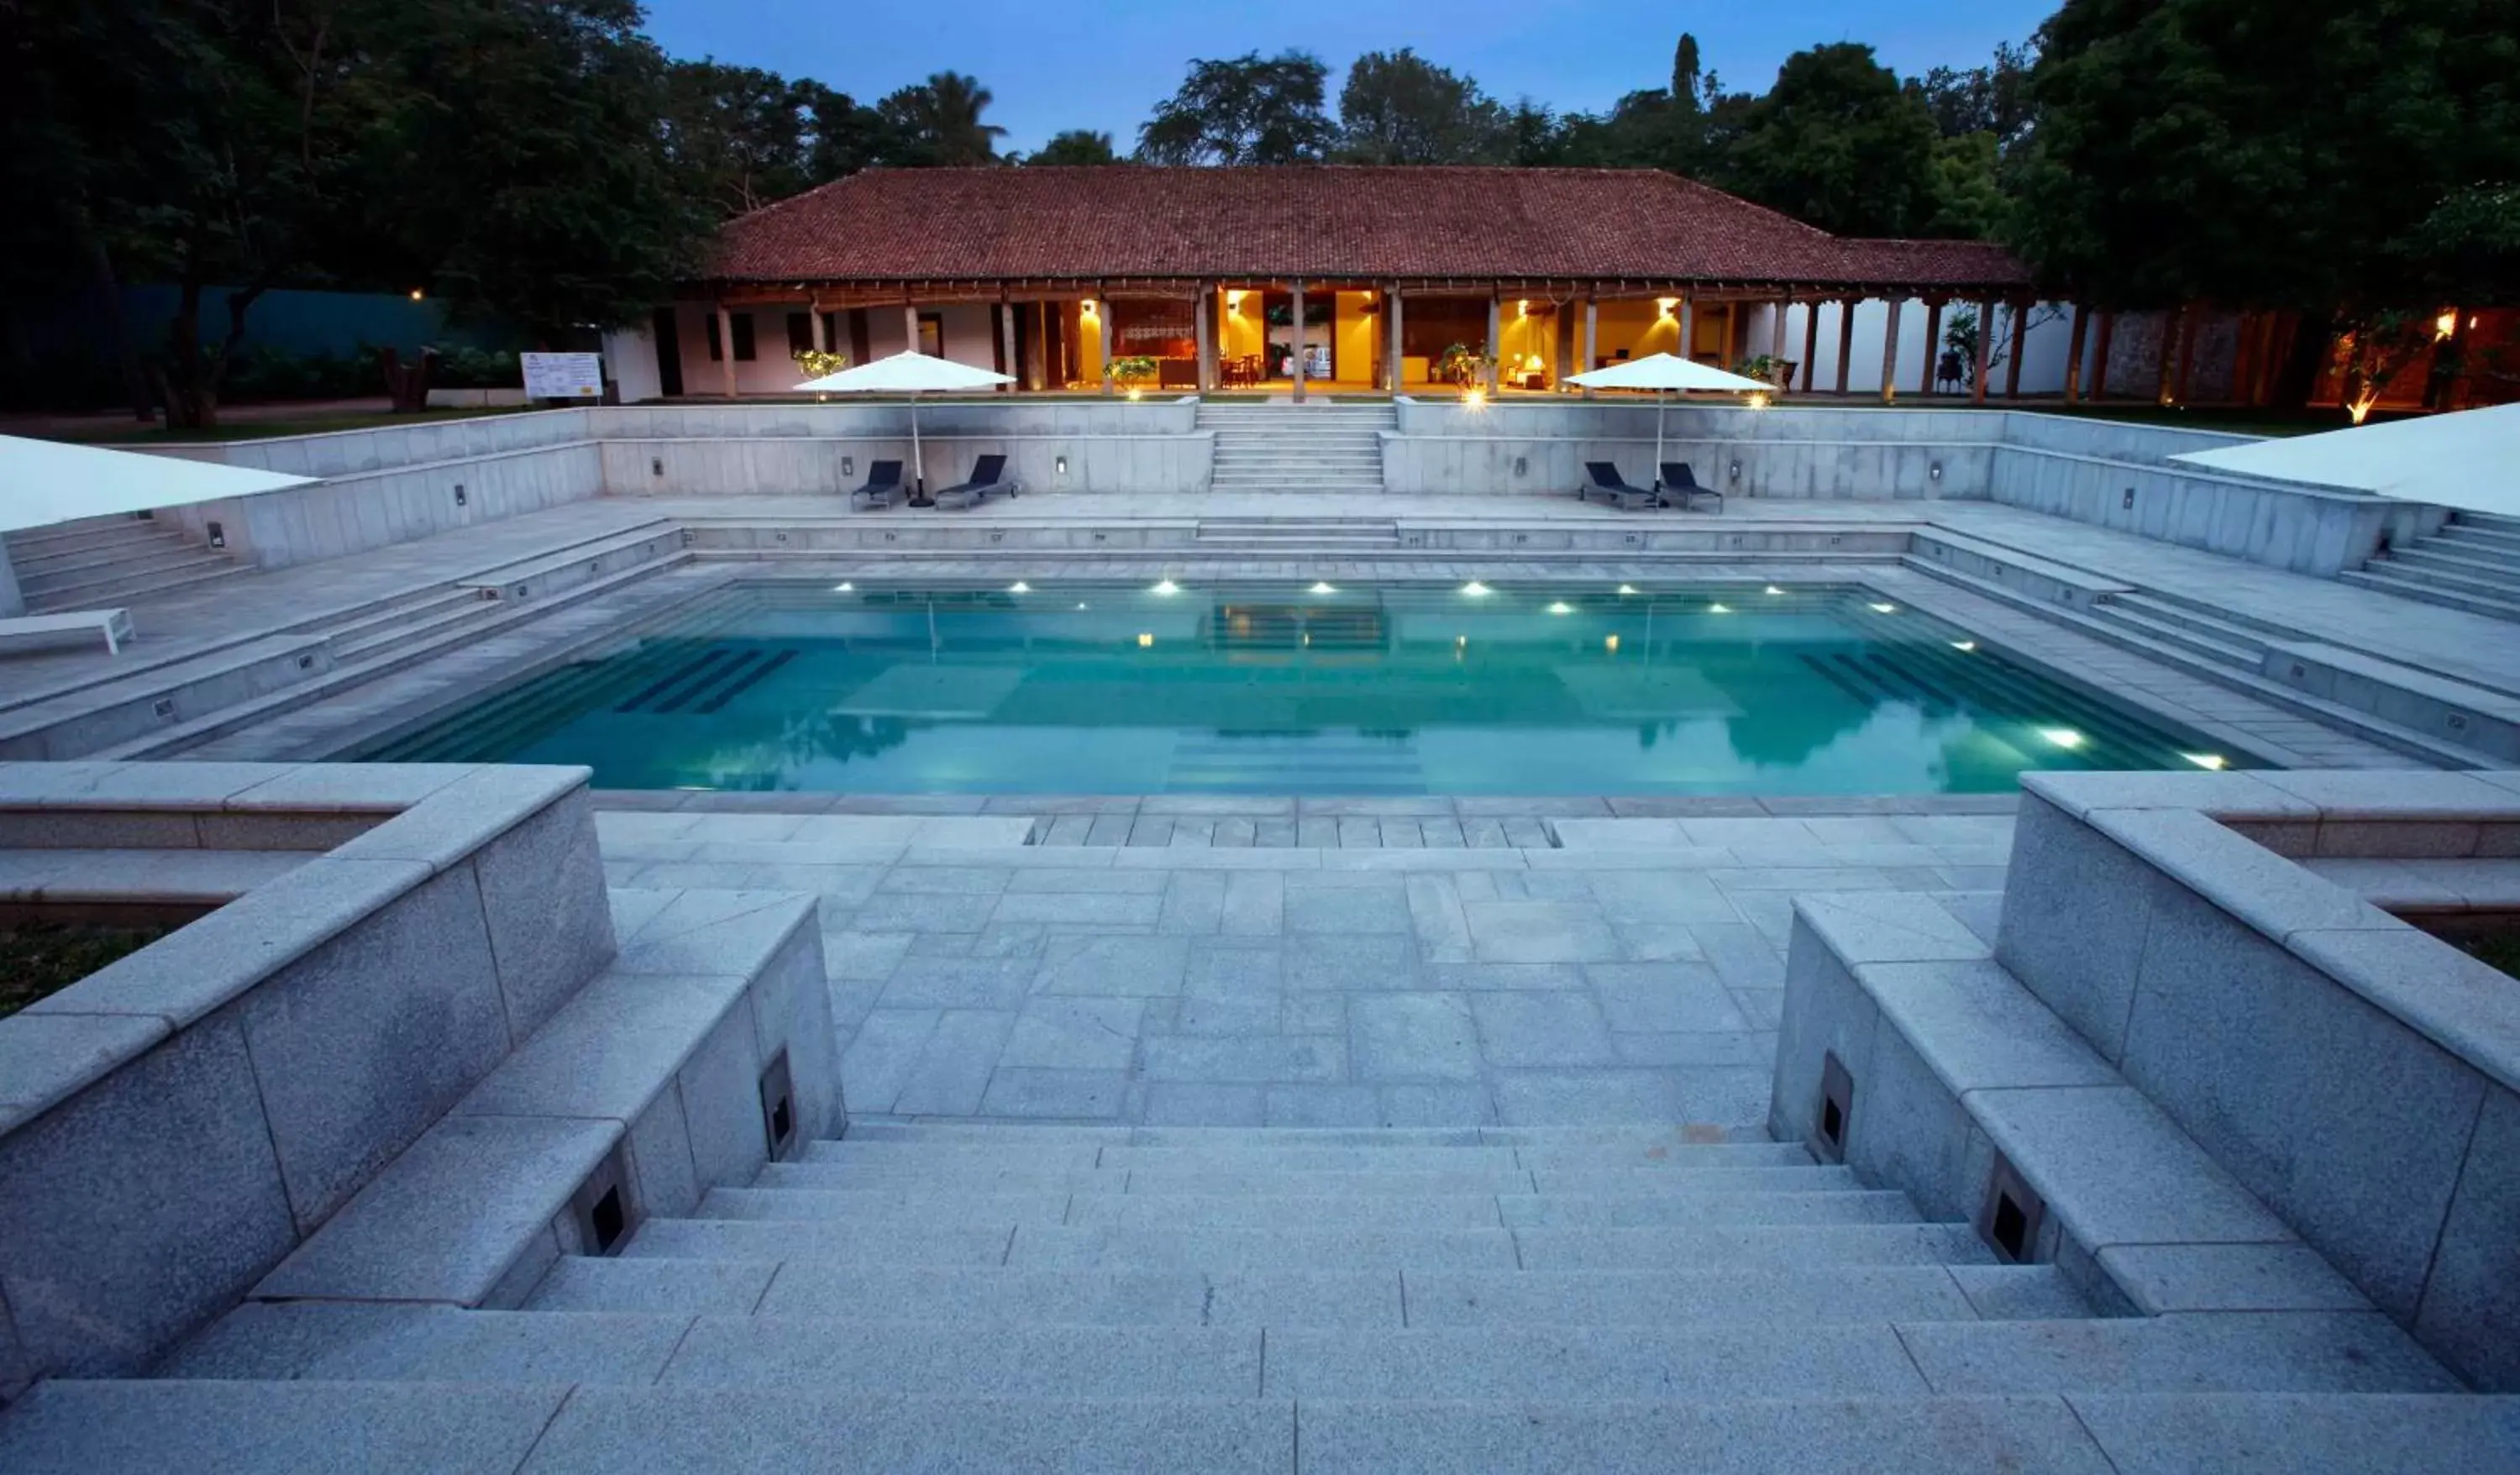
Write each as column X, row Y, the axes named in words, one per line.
column 1292, row 689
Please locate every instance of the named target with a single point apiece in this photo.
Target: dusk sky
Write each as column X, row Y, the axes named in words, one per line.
column 1104, row 65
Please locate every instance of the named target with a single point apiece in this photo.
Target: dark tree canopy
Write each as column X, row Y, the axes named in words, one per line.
column 2307, row 153
column 1248, row 110
column 1400, row 109
column 1839, row 144
column 938, row 122
column 1076, row 145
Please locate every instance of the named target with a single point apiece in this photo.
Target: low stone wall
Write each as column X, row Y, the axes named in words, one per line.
column 2359, row 1076
column 175, row 1125
column 358, row 510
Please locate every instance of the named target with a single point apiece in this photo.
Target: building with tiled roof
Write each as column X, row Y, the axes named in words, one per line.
column 1052, row 275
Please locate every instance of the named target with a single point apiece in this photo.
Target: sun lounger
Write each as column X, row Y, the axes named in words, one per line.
column 882, row 486
column 988, row 478
column 1680, row 487
column 1601, row 478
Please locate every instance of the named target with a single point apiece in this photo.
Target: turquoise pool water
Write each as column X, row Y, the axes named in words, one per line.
column 1302, row 690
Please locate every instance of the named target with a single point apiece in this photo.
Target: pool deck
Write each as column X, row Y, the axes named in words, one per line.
column 1306, row 985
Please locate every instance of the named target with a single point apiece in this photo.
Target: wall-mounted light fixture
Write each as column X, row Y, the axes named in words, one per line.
column 2127, row 501
column 1666, row 304
column 848, row 466
column 1086, row 306
column 459, row 494
column 1934, row 471
column 1734, row 471
column 218, row 536
column 1059, row 466
column 1233, row 298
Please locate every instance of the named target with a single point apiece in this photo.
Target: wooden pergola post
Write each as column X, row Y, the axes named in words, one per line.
column 1563, row 351
column 1985, row 350
column 910, row 330
column 1295, row 360
column 2101, row 355
column 1933, row 347
column 1845, row 340
column 814, row 319
column 2020, row 342
column 1101, row 338
column 1777, row 331
column 2187, row 316
column 1202, row 308
column 1688, row 330
column 2074, row 354
column 1591, row 336
column 1890, row 355
column 726, row 348
column 1005, row 312
column 1810, row 343
column 1496, row 337
column 1399, row 338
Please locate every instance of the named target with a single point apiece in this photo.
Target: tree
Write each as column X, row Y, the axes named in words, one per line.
column 1991, row 99
column 1968, row 200
column 1838, row 144
column 1247, row 109
column 1076, row 145
column 939, row 120
column 735, row 135
column 2304, row 155
column 1400, row 109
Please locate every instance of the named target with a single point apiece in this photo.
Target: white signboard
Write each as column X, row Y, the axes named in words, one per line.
column 563, row 376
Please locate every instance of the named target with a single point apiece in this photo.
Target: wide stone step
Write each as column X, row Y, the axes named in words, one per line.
column 131, row 556
column 1317, row 1158
column 2490, row 585
column 80, row 1428
column 123, row 587
column 2382, row 578
column 1351, row 1211
column 1219, row 1250
column 1131, row 1297
column 2225, row 1352
column 1296, row 1183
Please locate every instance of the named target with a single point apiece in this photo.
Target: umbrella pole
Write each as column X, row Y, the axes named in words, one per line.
column 918, row 458
column 1660, row 401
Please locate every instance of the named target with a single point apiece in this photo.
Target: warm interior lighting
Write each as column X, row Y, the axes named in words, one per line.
column 1963, row 644
column 1086, row 306
column 1666, row 304
column 1167, row 586
column 1719, row 610
column 1018, row 587
column 415, row 293
column 1611, row 642
column 1323, row 588
column 1136, row 393
column 2064, row 738
column 2443, row 326
column 1474, row 589
column 1522, row 309
column 1760, row 399
column 1474, row 399
column 1883, row 608
column 1533, row 364
column 2214, row 761
column 1233, row 298
column 1560, row 606
column 1144, row 641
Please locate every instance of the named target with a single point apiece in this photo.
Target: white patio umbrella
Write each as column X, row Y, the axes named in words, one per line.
column 2470, row 458
column 1666, row 373
column 48, row 481
column 914, row 375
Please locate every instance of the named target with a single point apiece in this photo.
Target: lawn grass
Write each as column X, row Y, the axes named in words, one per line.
column 127, row 433
column 37, row 959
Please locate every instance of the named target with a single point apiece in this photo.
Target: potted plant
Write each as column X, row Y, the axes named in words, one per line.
column 816, row 363
column 1134, row 372
column 1767, row 366
column 1462, row 366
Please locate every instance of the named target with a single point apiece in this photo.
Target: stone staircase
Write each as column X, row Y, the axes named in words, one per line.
column 1324, row 447
column 971, row 1297
column 97, row 561
column 2473, row 563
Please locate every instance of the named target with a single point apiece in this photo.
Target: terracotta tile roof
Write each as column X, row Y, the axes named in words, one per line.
column 1323, row 221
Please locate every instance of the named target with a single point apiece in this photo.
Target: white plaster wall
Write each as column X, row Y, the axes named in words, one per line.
column 2043, row 365
column 631, row 354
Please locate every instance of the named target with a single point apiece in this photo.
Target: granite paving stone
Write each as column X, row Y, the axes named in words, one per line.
column 1075, row 1033
column 1541, row 1029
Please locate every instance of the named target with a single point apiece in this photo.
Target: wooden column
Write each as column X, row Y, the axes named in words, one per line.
column 1007, row 365
column 1776, row 330
column 1688, row 330
column 1845, row 340
column 1811, row 344
column 726, row 350
column 1496, row 338
column 2020, row 342
column 1295, row 360
column 1890, row 354
column 814, row 316
column 910, row 330
column 2101, row 355
column 1591, row 336
column 1202, row 309
column 1101, row 375
column 1399, row 340
column 1563, row 350
column 2187, row 316
column 1933, row 345
column 2074, row 353
column 1985, row 350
